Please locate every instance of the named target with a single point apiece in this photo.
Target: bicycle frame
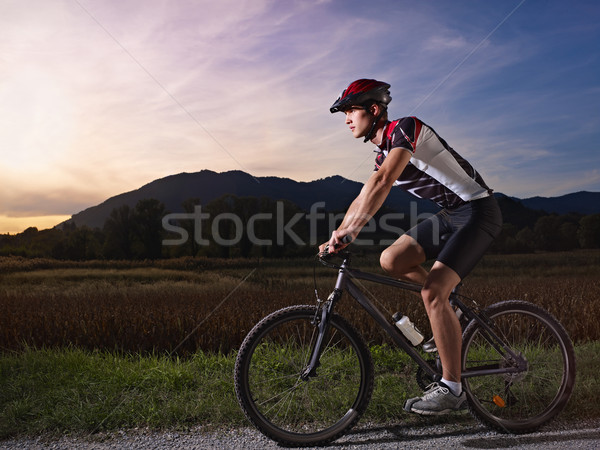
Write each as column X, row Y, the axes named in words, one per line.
column 345, row 283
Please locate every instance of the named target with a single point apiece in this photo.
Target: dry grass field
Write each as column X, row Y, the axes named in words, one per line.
column 184, row 305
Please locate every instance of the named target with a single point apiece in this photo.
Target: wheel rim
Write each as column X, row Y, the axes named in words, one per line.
column 304, row 407
column 526, row 398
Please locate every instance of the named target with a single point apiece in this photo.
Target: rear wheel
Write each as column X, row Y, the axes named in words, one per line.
column 522, row 401
column 297, row 410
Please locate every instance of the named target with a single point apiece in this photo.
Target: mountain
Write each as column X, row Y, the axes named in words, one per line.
column 336, row 192
column 579, row 202
column 514, row 212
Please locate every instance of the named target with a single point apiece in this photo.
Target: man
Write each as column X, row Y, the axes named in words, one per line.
column 412, row 155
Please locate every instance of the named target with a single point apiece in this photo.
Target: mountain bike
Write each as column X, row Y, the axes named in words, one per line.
column 304, row 375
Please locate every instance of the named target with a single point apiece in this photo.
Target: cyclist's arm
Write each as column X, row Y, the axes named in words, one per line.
column 371, row 196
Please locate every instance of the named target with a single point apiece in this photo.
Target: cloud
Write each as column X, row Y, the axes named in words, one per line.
column 97, row 98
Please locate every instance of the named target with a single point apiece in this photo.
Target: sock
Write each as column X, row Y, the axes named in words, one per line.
column 455, row 388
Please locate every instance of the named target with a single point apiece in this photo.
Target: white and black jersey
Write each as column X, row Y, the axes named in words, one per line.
column 435, row 171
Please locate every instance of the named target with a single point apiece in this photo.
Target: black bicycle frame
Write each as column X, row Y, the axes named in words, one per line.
column 345, row 282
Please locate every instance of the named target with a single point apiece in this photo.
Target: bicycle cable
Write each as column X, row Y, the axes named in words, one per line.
column 319, row 301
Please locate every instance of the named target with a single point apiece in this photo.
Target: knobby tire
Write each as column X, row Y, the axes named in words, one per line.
column 520, row 402
column 287, row 408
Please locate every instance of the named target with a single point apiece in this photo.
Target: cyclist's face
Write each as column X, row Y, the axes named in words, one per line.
column 358, row 120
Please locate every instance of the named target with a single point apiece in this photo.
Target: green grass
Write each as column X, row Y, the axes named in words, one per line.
column 70, row 390
column 74, row 391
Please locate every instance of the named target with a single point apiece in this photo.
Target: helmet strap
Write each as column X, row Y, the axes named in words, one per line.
column 369, row 135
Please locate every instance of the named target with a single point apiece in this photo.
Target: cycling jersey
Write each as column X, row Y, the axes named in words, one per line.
column 435, row 170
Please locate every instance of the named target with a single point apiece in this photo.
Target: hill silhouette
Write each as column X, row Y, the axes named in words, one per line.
column 333, row 193
column 582, row 202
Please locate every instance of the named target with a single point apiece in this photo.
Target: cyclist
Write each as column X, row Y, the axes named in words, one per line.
column 410, row 154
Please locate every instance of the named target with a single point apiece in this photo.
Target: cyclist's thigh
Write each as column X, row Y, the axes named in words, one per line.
column 467, row 245
column 413, row 248
column 428, row 234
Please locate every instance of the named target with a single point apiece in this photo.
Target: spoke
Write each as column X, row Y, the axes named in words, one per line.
column 270, row 380
column 277, row 399
column 280, row 395
column 530, row 395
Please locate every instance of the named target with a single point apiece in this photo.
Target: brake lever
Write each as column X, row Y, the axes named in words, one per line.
column 325, row 254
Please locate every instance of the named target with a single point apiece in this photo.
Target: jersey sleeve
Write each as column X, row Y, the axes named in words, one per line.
column 402, row 133
column 406, row 133
column 379, row 160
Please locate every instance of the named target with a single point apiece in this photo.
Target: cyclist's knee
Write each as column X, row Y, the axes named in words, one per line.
column 429, row 291
column 432, row 295
column 402, row 256
column 387, row 261
column 395, row 263
column 438, row 286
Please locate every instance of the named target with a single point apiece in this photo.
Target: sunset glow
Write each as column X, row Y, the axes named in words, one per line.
column 101, row 97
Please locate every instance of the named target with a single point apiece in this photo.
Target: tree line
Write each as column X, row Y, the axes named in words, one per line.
column 261, row 227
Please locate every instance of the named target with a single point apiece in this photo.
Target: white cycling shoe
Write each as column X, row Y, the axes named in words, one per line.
column 436, row 400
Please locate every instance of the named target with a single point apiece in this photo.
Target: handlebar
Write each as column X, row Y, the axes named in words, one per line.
column 325, row 255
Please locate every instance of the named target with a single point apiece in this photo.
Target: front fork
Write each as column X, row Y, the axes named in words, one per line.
column 321, row 322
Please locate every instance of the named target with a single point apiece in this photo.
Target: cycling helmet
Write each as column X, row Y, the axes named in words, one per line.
column 362, row 92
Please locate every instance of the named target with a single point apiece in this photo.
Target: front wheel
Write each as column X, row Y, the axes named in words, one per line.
column 294, row 409
column 524, row 400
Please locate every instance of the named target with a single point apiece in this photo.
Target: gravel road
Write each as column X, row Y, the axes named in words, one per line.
column 465, row 434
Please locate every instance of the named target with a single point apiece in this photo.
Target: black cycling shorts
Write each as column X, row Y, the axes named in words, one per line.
column 459, row 237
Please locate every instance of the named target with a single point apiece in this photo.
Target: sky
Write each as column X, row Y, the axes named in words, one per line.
column 100, row 97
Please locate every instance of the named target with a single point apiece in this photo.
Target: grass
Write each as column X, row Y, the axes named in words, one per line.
column 75, row 391
column 89, row 346
column 70, row 390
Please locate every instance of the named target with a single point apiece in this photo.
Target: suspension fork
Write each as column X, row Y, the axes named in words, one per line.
column 322, row 318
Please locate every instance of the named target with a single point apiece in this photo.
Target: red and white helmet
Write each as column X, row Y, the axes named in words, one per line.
column 362, row 92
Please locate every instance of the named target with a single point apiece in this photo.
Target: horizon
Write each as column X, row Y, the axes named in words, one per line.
column 58, row 220
column 101, row 98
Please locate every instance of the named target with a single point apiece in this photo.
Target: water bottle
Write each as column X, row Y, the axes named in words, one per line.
column 408, row 329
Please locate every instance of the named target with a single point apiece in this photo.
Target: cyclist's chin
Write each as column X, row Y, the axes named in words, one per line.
column 358, row 133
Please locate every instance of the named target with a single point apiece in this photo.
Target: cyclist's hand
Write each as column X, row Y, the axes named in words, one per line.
column 324, row 249
column 339, row 240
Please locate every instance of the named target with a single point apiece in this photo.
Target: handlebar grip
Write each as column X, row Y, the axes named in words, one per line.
column 346, row 240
